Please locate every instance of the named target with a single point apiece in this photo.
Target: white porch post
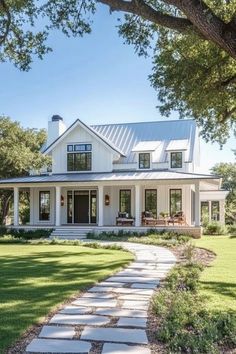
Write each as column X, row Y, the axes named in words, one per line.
column 137, row 205
column 100, row 205
column 31, row 206
column 197, row 204
column 209, row 216
column 58, row 206
column 16, row 206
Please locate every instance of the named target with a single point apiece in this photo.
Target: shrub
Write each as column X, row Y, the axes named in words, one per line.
column 232, row 229
column 215, row 228
column 184, row 278
column 187, row 328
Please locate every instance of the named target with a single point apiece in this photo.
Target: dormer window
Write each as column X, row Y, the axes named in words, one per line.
column 144, row 160
column 79, row 157
column 176, row 159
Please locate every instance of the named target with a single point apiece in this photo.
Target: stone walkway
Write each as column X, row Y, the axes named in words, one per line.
column 111, row 317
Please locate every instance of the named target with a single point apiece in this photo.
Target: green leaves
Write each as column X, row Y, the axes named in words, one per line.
column 20, row 149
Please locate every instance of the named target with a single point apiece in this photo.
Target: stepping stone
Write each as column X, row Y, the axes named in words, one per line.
column 112, row 348
column 80, row 319
column 75, row 310
column 139, row 305
column 120, row 335
column 57, row 332
column 134, row 297
column 98, row 296
column 121, row 313
column 132, row 322
column 108, row 283
column 147, row 292
column 144, row 286
column 58, row 346
column 145, row 274
column 102, row 289
column 138, row 279
column 95, row 302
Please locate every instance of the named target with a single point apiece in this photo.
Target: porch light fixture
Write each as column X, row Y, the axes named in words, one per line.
column 62, row 200
column 107, row 200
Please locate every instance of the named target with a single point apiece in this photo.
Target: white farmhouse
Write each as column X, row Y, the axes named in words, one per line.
column 113, row 176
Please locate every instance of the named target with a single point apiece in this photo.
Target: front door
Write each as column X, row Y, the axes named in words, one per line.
column 81, row 207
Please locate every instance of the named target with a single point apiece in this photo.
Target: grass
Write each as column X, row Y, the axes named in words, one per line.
column 218, row 282
column 35, row 279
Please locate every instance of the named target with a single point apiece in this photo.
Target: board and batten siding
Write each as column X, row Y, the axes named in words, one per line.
column 102, row 157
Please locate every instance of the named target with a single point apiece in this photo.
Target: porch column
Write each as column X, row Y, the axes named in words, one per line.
column 100, row 205
column 197, row 204
column 209, row 205
column 58, row 206
column 16, row 206
column 31, row 206
column 137, row 205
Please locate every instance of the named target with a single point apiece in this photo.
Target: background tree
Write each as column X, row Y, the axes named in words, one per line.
column 228, row 173
column 19, row 154
column 193, row 44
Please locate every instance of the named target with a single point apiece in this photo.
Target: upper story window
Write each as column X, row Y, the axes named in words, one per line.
column 176, row 159
column 144, row 160
column 79, row 157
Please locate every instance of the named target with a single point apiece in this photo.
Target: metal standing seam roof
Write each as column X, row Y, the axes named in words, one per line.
column 108, row 176
column 128, row 135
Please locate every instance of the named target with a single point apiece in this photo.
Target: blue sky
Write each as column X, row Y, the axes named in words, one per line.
column 96, row 78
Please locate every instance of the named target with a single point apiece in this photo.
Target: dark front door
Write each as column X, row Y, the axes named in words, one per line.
column 81, row 207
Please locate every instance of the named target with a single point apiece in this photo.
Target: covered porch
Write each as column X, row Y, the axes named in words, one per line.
column 88, row 201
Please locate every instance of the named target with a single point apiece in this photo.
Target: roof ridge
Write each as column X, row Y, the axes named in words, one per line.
column 145, row 122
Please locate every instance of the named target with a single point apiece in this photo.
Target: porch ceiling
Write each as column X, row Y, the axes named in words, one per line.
column 110, row 177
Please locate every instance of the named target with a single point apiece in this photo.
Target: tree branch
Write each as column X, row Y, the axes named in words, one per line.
column 4, row 6
column 211, row 26
column 140, row 8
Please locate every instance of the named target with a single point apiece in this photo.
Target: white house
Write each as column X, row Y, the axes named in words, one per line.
column 101, row 171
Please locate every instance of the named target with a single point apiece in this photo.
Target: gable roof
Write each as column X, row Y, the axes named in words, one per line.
column 128, row 135
column 91, row 131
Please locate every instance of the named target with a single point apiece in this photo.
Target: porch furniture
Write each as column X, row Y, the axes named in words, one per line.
column 178, row 218
column 148, row 218
column 123, row 219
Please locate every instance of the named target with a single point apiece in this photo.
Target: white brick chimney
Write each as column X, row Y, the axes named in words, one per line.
column 56, row 127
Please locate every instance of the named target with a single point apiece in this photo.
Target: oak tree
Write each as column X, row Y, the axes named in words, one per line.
column 192, row 42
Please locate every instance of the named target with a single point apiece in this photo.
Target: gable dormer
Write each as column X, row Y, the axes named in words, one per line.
column 145, row 154
column 176, row 153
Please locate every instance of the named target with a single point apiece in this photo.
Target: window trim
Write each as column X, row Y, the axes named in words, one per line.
column 40, row 193
column 144, row 153
column 150, row 190
column 171, row 160
column 181, row 203
column 130, row 193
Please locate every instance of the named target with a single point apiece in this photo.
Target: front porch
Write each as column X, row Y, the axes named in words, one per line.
column 97, row 207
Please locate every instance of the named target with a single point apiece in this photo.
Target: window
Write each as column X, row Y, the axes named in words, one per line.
column 144, row 160
column 81, row 160
column 204, row 212
column 175, row 201
column 69, row 207
column 215, row 210
column 176, row 159
column 125, row 201
column 151, row 201
column 44, row 206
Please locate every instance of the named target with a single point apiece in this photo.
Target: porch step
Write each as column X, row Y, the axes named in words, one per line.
column 70, row 233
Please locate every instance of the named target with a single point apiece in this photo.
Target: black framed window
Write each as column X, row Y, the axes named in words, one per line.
column 44, row 205
column 69, row 207
column 151, row 201
column 144, row 160
column 81, row 161
column 204, row 212
column 175, row 201
column 176, row 159
column 125, row 201
column 215, row 210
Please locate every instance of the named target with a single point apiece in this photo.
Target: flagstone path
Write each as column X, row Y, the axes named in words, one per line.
column 111, row 317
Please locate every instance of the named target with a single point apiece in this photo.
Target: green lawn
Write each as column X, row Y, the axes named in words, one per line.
column 34, row 279
column 219, row 280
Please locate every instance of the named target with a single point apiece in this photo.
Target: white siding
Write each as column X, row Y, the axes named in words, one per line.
column 101, row 156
